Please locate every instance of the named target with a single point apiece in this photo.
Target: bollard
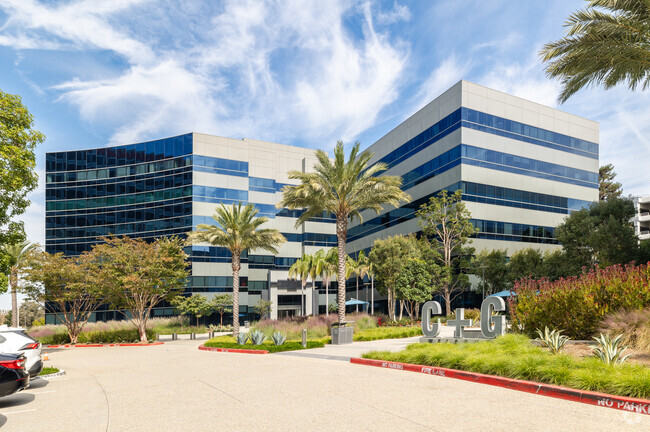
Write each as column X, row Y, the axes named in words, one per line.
column 192, row 336
column 304, row 338
column 174, row 336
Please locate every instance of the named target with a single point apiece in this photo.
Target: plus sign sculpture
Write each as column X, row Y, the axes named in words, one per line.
column 459, row 323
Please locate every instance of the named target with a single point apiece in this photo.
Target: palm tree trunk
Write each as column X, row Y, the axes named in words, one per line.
column 13, row 281
column 357, row 308
column 302, row 297
column 372, row 295
column 341, row 234
column 236, row 265
column 327, row 297
column 313, row 291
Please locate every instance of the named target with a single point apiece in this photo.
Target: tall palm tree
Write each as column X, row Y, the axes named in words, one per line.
column 607, row 42
column 364, row 269
column 343, row 189
column 301, row 269
column 326, row 268
column 18, row 255
column 237, row 229
column 352, row 269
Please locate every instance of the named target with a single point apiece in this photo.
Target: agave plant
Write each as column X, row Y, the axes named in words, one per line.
column 242, row 338
column 610, row 350
column 278, row 338
column 554, row 340
column 257, row 337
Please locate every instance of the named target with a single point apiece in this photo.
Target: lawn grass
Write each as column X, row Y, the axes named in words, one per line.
column 513, row 356
column 386, row 333
column 47, row 370
column 230, row 342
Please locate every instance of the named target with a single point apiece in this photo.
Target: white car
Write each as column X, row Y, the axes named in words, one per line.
column 15, row 340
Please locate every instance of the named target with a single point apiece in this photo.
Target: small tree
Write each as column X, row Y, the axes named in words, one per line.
column 492, row 268
column 525, row 263
column 222, row 304
column 30, row 311
column 413, row 286
column 388, row 256
column 196, row 305
column 70, row 284
column 18, row 178
column 446, row 222
column 326, row 267
column 17, row 257
column 263, row 308
column 138, row 275
column 607, row 187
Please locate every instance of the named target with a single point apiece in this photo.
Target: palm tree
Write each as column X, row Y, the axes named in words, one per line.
column 326, row 268
column 237, row 229
column 343, row 189
column 352, row 269
column 18, row 255
column 606, row 43
column 364, row 268
column 301, row 269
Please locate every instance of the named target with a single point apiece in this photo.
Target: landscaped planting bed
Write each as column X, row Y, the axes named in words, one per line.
column 230, row 343
column 386, row 333
column 514, row 356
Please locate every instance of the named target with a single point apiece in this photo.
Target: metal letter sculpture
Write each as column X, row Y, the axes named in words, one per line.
column 459, row 323
column 428, row 309
column 492, row 327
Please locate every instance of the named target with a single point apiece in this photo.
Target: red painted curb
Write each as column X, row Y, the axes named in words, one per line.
column 102, row 345
column 640, row 406
column 232, row 350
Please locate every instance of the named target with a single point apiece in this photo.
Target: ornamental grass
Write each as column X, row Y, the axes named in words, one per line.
column 514, row 356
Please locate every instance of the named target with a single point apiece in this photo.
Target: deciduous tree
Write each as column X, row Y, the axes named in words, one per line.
column 221, row 303
column 388, row 257
column 18, row 139
column 70, row 284
column 196, row 305
column 413, row 286
column 446, row 222
column 138, row 275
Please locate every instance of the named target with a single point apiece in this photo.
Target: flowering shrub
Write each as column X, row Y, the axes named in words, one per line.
column 578, row 304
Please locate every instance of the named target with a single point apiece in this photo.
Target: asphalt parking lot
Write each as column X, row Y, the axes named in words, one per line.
column 176, row 387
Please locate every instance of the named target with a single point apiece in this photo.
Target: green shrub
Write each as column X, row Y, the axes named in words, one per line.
column 97, row 337
column 386, row 333
column 48, row 370
column 473, row 314
column 514, row 356
column 578, row 304
column 230, row 342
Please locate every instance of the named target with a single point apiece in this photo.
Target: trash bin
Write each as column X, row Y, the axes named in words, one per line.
column 247, row 324
column 342, row 332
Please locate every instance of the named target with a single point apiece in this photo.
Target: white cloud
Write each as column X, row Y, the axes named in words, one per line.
column 444, row 76
column 399, row 13
column 523, row 79
column 273, row 71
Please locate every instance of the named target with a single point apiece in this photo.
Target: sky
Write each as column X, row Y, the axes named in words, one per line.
column 299, row 72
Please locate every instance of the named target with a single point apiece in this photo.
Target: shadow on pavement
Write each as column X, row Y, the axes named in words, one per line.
column 3, row 420
column 37, row 382
column 17, row 399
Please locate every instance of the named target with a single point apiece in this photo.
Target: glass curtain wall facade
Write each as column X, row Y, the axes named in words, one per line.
column 169, row 186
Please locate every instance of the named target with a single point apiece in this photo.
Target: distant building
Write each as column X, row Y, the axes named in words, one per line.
column 641, row 219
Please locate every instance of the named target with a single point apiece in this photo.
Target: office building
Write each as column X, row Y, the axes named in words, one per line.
column 169, row 186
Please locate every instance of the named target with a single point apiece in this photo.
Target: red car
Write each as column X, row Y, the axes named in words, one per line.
column 13, row 376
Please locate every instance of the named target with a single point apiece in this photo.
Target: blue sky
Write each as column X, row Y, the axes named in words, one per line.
column 297, row 72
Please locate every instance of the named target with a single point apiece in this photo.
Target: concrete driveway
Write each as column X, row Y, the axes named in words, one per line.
column 176, row 387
